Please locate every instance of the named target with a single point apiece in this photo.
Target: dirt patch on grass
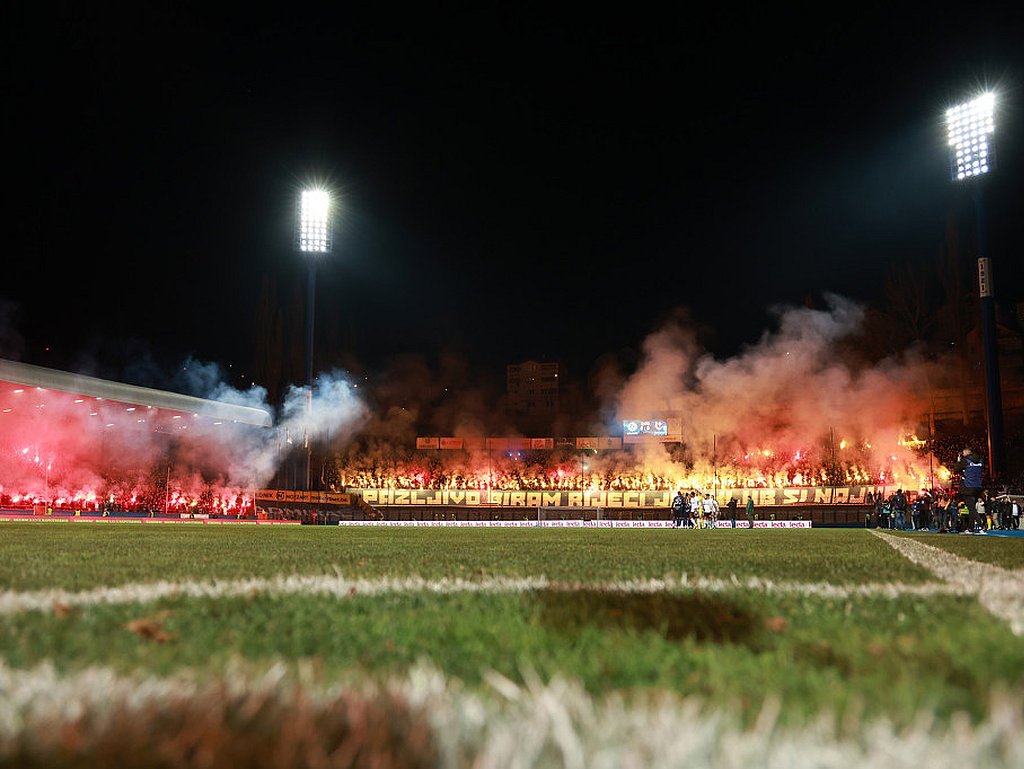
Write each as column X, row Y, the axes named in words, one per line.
column 674, row 616
column 220, row 728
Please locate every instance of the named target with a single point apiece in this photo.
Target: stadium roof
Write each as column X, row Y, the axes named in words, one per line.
column 15, row 375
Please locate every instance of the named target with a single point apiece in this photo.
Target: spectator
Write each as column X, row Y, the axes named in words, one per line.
column 970, row 469
column 679, row 508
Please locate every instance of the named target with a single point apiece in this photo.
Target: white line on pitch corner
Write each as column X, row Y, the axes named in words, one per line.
column 999, row 590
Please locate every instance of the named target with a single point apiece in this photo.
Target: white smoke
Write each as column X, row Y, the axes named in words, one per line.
column 328, row 413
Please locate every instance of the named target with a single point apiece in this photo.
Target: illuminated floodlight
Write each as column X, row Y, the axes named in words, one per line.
column 313, row 235
column 970, row 126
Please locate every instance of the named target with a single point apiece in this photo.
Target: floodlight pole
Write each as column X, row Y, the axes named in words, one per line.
column 968, row 126
column 986, row 294
column 313, row 238
column 311, row 291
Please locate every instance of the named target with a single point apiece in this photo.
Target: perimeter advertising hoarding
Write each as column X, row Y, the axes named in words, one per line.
column 599, row 443
column 149, row 521
column 451, row 443
column 607, row 524
column 827, row 495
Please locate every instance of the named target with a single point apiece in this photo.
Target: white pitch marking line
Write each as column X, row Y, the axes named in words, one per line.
column 999, row 590
column 556, row 723
column 338, row 586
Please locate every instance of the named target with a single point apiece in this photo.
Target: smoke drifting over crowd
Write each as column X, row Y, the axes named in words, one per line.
column 73, row 448
column 798, row 408
column 793, row 398
column 790, row 410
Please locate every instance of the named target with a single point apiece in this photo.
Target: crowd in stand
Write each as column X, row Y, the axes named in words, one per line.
column 947, row 512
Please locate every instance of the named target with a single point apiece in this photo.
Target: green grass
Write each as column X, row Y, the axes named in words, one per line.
column 83, row 556
column 884, row 657
column 896, row 656
column 1007, row 552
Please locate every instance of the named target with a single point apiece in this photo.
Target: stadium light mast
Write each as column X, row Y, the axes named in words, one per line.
column 313, row 239
column 971, row 157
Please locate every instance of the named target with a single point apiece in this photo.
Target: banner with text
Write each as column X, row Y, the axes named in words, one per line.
column 811, row 495
column 267, row 496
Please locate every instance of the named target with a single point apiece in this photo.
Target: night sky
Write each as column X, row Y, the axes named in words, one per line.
column 514, row 184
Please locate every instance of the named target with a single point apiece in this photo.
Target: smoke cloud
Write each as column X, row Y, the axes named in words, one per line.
column 793, row 397
column 63, row 446
column 796, row 407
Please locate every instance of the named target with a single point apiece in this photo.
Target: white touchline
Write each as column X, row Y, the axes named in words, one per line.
column 999, row 590
column 343, row 587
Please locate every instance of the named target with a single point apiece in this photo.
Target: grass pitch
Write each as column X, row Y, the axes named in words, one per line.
column 80, row 556
column 1006, row 552
column 832, row 622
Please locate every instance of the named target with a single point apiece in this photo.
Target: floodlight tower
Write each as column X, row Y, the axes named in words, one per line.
column 971, row 156
column 313, row 238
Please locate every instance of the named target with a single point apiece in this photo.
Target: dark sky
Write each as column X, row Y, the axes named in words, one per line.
column 514, row 183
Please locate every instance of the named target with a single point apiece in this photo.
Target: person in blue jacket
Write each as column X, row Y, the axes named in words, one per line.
column 970, row 467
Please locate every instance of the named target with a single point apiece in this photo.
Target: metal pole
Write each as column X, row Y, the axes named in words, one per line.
column 309, row 366
column 835, row 464
column 993, row 392
column 714, row 462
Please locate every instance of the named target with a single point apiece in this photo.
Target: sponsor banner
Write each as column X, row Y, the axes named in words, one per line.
column 137, row 519
column 267, row 496
column 599, row 443
column 514, row 444
column 33, row 518
column 781, row 497
column 571, row 524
